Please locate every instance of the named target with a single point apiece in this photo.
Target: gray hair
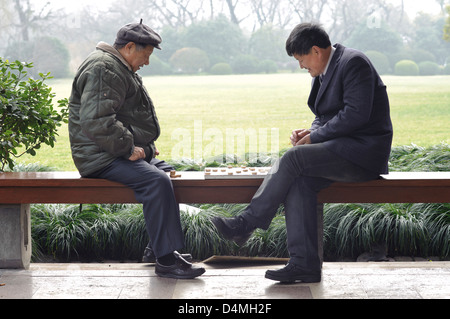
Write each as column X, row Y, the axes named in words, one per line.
column 139, row 46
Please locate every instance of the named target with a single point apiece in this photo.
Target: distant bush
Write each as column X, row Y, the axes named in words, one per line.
column 380, row 61
column 190, row 60
column 399, row 56
column 268, row 66
column 156, row 67
column 446, row 70
column 420, row 55
column 406, row 67
column 221, row 69
column 245, row 64
column 429, row 68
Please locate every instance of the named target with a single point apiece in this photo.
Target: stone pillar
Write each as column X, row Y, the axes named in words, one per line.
column 15, row 236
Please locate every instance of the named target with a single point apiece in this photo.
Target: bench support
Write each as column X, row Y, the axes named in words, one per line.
column 320, row 232
column 15, row 236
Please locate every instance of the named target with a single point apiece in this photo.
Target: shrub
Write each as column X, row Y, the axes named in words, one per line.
column 379, row 60
column 403, row 54
column 446, row 70
column 406, row 67
column 27, row 116
column 420, row 55
column 245, row 64
column 429, row 68
column 190, row 60
column 156, row 67
column 268, row 66
column 221, row 69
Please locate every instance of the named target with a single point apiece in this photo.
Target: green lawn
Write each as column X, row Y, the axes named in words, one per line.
column 202, row 116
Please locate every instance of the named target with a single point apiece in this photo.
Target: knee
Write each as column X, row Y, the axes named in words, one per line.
column 292, row 159
column 290, row 153
column 154, row 179
column 163, row 179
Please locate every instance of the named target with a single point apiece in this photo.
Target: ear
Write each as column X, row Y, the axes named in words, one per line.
column 129, row 47
column 315, row 50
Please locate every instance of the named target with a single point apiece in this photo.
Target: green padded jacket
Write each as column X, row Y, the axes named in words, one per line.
column 110, row 112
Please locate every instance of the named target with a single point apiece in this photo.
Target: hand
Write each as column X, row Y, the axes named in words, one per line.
column 138, row 154
column 300, row 137
column 304, row 140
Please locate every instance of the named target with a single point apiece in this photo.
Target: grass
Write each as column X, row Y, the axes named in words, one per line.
column 198, row 113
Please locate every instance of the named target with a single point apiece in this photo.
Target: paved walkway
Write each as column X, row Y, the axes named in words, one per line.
column 383, row 280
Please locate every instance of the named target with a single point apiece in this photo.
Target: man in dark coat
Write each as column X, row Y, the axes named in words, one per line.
column 349, row 141
column 113, row 128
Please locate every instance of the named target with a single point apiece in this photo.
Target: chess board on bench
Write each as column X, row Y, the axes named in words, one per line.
column 230, row 172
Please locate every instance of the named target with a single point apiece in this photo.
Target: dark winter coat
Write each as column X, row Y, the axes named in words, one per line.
column 110, row 112
column 352, row 111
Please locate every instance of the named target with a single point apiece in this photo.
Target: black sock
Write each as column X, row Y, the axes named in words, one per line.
column 167, row 260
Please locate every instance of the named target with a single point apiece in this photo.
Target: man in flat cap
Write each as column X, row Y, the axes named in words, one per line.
column 113, row 128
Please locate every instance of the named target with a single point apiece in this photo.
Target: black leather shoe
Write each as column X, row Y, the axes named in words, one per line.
column 150, row 257
column 236, row 228
column 180, row 270
column 292, row 273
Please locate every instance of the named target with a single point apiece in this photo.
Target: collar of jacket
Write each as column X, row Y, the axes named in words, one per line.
column 331, row 68
column 110, row 49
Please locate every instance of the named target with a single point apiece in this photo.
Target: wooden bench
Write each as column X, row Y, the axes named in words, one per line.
column 19, row 190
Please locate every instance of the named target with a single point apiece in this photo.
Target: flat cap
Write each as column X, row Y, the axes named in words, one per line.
column 138, row 33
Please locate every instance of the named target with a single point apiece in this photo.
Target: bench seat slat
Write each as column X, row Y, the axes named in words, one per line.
column 192, row 187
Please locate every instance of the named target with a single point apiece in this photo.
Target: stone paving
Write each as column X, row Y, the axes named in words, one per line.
column 340, row 280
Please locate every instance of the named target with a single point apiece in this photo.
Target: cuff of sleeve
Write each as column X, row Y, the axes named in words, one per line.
column 128, row 155
column 314, row 136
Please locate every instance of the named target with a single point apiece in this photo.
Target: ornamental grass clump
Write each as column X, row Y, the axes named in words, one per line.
column 88, row 232
column 200, row 235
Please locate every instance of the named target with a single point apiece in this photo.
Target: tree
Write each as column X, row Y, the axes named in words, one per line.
column 447, row 25
column 27, row 116
column 268, row 43
column 219, row 38
column 381, row 39
column 429, row 35
column 232, row 10
column 30, row 19
column 47, row 54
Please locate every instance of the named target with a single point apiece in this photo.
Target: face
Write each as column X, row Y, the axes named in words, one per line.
column 315, row 61
column 137, row 58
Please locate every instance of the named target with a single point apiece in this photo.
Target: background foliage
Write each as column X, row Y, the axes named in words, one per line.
column 224, row 30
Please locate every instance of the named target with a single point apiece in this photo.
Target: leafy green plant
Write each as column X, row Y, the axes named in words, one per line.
column 27, row 116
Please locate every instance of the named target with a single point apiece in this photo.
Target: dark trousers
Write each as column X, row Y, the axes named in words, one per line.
column 153, row 188
column 295, row 180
